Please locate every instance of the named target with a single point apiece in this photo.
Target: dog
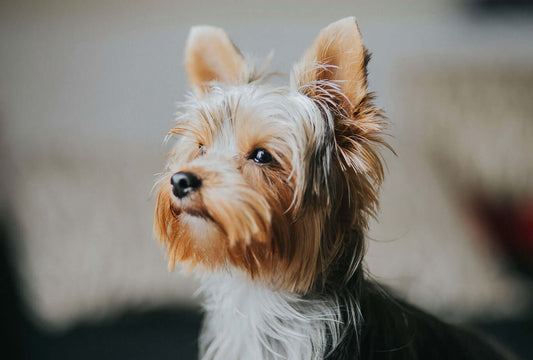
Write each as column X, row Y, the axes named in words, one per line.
column 267, row 194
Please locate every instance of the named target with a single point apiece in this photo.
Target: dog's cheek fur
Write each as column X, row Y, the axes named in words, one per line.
column 291, row 262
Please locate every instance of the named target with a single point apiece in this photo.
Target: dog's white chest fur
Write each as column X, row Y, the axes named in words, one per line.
column 246, row 320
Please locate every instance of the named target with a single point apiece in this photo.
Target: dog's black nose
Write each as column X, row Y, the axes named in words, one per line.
column 183, row 183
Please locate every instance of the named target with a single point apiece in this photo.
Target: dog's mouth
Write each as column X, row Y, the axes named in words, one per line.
column 191, row 205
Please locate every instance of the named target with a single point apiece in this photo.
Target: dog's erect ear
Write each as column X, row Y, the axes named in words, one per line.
column 333, row 73
column 333, row 69
column 211, row 56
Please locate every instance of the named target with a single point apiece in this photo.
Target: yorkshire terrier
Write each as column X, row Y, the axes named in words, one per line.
column 268, row 192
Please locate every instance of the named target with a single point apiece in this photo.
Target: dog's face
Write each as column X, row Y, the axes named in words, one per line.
column 276, row 182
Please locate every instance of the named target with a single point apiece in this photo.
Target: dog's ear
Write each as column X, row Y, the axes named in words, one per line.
column 210, row 56
column 333, row 69
column 333, row 73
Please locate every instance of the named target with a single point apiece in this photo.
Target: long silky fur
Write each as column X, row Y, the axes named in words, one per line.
column 272, row 324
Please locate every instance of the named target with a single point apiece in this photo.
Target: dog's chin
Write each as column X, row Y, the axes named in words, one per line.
column 201, row 240
column 189, row 212
column 201, row 228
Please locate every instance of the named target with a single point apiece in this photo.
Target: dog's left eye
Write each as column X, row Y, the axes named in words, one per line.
column 260, row 156
column 202, row 148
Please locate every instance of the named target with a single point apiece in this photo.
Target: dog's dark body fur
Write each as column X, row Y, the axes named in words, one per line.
column 394, row 330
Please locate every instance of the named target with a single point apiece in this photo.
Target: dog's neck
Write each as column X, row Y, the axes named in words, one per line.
column 249, row 320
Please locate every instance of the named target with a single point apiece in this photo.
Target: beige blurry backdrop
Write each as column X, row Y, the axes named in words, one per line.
column 87, row 92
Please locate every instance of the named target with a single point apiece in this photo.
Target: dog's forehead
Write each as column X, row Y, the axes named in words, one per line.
column 251, row 111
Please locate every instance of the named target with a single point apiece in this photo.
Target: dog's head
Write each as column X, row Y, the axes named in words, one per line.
column 276, row 182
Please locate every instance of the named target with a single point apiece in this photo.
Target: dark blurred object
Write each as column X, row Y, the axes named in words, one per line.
column 165, row 334
column 515, row 334
column 13, row 319
column 500, row 7
column 508, row 222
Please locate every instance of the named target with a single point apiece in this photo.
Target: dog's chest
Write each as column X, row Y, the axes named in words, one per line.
column 249, row 321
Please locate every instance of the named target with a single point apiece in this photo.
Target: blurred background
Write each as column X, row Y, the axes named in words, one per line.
column 87, row 92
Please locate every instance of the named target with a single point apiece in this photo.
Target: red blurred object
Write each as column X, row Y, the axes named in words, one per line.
column 509, row 223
